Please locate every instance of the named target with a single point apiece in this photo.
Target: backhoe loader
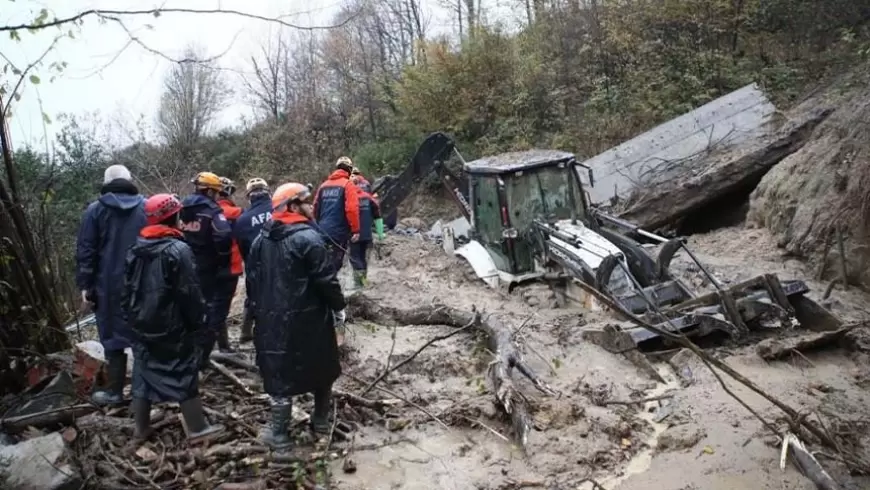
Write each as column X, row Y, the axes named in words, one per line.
column 531, row 220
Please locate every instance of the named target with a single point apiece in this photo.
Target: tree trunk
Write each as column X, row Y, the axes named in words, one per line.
column 501, row 344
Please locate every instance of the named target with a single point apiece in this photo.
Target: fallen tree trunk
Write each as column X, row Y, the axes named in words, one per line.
column 772, row 349
column 667, row 204
column 500, row 342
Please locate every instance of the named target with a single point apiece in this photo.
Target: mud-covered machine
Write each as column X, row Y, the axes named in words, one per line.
column 530, row 220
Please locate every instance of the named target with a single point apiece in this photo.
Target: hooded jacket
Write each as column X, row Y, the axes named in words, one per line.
column 336, row 208
column 293, row 291
column 109, row 228
column 165, row 308
column 249, row 224
column 208, row 234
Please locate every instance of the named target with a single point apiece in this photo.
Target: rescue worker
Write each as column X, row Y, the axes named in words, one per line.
column 370, row 215
column 245, row 230
column 229, row 279
column 109, row 228
column 208, row 233
column 336, row 210
column 165, row 306
column 297, row 303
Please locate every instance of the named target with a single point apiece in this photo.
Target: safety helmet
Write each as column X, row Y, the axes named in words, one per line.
column 355, row 171
column 290, row 192
column 344, row 163
column 207, row 180
column 229, row 187
column 159, row 207
column 256, row 184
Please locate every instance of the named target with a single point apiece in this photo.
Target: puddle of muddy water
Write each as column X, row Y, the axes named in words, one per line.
column 641, row 461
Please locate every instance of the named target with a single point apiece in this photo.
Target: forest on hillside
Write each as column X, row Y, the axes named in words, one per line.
column 579, row 75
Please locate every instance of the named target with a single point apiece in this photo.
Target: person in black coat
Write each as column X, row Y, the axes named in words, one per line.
column 297, row 302
column 165, row 309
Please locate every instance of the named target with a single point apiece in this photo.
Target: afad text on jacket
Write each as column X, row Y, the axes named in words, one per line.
column 249, row 224
column 208, row 233
column 336, row 208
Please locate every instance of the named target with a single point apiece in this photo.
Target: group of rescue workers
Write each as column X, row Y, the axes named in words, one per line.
column 160, row 274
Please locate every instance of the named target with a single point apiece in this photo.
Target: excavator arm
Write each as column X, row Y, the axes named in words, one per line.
column 430, row 157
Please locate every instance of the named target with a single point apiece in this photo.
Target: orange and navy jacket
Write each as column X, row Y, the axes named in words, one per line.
column 336, row 208
column 369, row 209
column 232, row 212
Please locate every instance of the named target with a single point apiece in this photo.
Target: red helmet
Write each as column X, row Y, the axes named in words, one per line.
column 159, row 207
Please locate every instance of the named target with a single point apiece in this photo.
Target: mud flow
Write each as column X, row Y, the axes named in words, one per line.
column 610, row 425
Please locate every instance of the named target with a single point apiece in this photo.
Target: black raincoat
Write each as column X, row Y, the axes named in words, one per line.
column 165, row 308
column 293, row 291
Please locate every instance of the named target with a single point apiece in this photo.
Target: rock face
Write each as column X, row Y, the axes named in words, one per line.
column 823, row 186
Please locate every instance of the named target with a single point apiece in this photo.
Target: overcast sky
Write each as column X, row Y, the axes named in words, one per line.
column 120, row 81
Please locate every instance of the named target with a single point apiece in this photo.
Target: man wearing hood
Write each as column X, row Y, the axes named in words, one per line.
column 109, row 228
column 208, row 233
column 297, row 301
column 336, row 210
column 245, row 230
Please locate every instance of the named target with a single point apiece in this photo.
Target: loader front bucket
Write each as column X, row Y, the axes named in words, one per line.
column 761, row 303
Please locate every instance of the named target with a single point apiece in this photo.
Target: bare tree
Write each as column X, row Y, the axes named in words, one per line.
column 194, row 92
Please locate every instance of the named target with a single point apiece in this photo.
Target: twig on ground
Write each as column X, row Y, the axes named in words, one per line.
column 231, row 376
column 637, row 402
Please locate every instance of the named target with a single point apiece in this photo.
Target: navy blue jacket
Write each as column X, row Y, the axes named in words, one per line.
column 109, row 228
column 249, row 224
column 209, row 235
column 368, row 211
column 336, row 208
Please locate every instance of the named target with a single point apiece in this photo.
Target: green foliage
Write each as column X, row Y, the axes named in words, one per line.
column 384, row 157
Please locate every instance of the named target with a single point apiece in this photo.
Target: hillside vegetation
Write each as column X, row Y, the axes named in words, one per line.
column 580, row 76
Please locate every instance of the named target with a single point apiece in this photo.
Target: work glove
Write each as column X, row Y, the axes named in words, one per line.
column 379, row 228
column 340, row 317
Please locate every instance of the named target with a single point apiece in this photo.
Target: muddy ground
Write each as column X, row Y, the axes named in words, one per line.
column 699, row 438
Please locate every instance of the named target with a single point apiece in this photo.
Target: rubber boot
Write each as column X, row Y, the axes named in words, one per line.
column 198, row 428
column 223, row 339
column 320, row 422
column 247, row 326
column 116, row 370
column 142, row 418
column 275, row 433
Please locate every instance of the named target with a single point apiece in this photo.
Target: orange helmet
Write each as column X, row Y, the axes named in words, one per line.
column 159, row 207
column 207, row 180
column 290, row 192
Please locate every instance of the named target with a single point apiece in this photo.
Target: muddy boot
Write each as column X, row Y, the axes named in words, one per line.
column 320, row 422
column 223, row 340
column 197, row 427
column 116, row 371
column 247, row 327
column 275, row 433
column 142, row 418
